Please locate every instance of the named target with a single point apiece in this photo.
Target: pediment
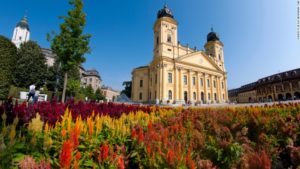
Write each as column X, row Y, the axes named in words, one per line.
column 199, row 59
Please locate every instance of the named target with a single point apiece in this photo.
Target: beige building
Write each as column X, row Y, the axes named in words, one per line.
column 177, row 73
column 277, row 87
column 90, row 77
column 109, row 93
column 49, row 55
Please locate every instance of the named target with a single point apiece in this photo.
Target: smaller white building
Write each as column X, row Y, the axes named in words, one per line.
column 21, row 32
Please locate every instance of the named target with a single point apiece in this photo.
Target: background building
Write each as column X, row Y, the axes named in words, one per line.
column 21, row 34
column 90, row 78
column 277, row 87
column 109, row 93
column 49, row 55
column 178, row 73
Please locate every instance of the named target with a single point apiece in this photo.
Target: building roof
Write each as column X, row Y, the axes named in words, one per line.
column 275, row 78
column 23, row 23
column 212, row 36
column 279, row 77
column 165, row 12
column 92, row 72
column 109, row 88
column 48, row 52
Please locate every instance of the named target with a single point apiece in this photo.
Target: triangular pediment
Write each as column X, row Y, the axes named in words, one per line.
column 199, row 59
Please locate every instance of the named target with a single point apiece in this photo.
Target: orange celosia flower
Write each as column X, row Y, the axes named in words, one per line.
column 75, row 133
column 66, row 154
column 63, row 132
column 121, row 163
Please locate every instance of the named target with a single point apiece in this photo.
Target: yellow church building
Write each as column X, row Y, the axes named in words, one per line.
column 179, row 74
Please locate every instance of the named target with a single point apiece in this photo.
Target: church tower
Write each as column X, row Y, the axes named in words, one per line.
column 165, row 32
column 21, row 32
column 214, row 49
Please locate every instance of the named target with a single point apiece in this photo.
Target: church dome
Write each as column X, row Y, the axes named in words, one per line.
column 23, row 23
column 165, row 12
column 212, row 36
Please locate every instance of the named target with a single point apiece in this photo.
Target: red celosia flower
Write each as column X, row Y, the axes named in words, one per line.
column 133, row 133
column 260, row 160
column 121, row 163
column 170, row 157
column 150, row 125
column 104, row 152
column 78, row 155
column 66, row 154
column 140, row 135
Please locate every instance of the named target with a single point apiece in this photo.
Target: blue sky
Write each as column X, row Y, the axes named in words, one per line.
column 260, row 36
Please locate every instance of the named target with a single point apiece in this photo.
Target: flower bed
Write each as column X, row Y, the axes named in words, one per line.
column 151, row 137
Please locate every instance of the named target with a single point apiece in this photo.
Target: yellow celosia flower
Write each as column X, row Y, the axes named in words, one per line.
column 36, row 124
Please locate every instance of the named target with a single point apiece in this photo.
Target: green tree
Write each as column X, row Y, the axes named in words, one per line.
column 99, row 95
column 89, row 92
column 127, row 89
column 71, row 44
column 73, row 87
column 8, row 57
column 31, row 65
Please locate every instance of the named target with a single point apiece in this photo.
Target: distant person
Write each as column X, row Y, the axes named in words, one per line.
column 31, row 92
column 36, row 97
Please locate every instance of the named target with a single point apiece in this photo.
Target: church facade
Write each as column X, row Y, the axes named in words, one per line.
column 177, row 73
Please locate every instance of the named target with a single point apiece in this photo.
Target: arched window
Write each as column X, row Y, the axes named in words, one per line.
column 169, row 40
column 170, row 95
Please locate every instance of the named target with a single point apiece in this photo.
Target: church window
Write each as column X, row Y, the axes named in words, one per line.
column 141, row 96
column 185, row 80
column 169, row 40
column 208, row 83
column 141, row 83
column 201, row 82
column 215, row 84
column 170, row 77
column 170, row 95
column 194, row 81
column 194, row 95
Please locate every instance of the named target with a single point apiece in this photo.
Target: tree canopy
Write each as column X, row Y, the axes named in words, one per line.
column 31, row 66
column 71, row 44
column 8, row 57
